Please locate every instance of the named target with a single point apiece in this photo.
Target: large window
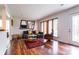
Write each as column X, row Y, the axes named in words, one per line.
column 75, row 28
column 50, row 27
column 45, row 27
column 7, row 25
column 55, row 27
column 0, row 23
column 42, row 27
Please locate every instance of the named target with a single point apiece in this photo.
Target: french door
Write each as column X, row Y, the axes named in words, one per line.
column 75, row 28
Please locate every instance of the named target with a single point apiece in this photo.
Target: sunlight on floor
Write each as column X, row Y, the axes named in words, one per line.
column 55, row 47
column 74, row 51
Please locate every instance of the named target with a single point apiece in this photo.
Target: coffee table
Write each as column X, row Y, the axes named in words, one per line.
column 33, row 36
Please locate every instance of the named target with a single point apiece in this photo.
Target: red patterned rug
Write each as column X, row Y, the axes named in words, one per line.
column 34, row 43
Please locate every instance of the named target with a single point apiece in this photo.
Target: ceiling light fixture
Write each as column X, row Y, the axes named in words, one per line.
column 61, row 4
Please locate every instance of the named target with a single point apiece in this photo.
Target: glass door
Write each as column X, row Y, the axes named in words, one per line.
column 55, row 27
column 50, row 27
column 44, row 27
column 75, row 28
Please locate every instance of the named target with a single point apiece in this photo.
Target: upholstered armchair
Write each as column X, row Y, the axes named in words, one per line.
column 25, row 35
column 49, row 37
column 40, row 35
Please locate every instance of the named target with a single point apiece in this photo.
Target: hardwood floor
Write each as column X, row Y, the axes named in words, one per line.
column 18, row 47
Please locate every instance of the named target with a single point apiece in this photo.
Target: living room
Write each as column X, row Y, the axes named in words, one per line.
column 41, row 31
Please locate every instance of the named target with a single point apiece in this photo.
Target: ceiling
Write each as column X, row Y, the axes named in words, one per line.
column 36, row 11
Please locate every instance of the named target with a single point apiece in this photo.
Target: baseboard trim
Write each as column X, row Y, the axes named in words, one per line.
column 67, row 43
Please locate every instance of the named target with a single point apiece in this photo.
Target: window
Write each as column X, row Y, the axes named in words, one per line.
column 23, row 24
column 75, row 28
column 0, row 23
column 55, row 27
column 44, row 27
column 7, row 25
column 50, row 27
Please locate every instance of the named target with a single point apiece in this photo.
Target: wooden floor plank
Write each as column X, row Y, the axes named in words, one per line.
column 18, row 47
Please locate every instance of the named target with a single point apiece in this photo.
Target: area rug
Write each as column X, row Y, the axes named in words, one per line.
column 34, row 43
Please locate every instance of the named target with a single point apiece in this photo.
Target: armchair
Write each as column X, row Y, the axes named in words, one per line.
column 49, row 37
column 40, row 35
column 25, row 35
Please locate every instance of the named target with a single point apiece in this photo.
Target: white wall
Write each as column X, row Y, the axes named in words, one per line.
column 4, row 42
column 65, row 24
